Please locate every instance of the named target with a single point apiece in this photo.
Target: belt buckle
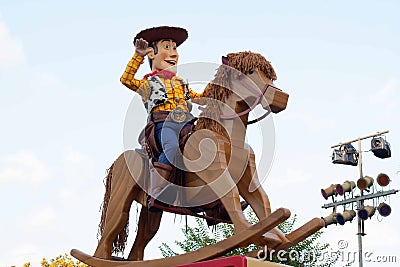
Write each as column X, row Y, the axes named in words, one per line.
column 178, row 115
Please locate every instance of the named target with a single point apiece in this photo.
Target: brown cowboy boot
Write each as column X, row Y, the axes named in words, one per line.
column 159, row 178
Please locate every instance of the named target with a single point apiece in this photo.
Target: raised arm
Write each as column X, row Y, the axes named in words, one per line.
column 128, row 77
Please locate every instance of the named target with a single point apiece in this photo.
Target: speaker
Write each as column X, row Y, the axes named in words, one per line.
column 384, row 209
column 345, row 216
column 330, row 191
column 366, row 212
column 380, row 147
column 346, row 155
column 347, row 186
column 365, row 183
column 383, row 180
column 330, row 219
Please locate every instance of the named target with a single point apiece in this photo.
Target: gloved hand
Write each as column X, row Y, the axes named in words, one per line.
column 142, row 47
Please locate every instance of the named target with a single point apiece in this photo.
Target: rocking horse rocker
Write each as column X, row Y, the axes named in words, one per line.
column 217, row 169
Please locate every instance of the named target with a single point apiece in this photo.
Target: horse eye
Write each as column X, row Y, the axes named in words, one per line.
column 251, row 72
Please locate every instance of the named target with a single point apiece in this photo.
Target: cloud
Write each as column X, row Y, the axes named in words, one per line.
column 24, row 167
column 11, row 52
column 385, row 98
column 38, row 217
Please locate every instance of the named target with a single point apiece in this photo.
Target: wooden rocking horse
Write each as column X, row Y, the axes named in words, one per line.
column 220, row 168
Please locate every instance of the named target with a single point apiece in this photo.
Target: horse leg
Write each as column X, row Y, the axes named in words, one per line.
column 259, row 202
column 229, row 198
column 258, row 198
column 231, row 202
column 216, row 174
column 115, row 223
column 123, row 190
column 149, row 223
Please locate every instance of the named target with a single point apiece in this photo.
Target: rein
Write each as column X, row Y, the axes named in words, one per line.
column 256, row 102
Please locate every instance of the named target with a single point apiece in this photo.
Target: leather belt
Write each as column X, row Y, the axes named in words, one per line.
column 178, row 115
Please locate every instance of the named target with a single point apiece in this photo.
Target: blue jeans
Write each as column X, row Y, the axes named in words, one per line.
column 167, row 137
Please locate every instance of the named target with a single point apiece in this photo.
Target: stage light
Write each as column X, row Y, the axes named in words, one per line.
column 330, row 219
column 366, row 212
column 365, row 183
column 383, row 180
column 347, row 186
column 380, row 147
column 384, row 209
column 346, row 155
column 330, row 191
column 345, row 216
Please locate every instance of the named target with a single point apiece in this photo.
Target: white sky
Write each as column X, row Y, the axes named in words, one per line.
column 62, row 107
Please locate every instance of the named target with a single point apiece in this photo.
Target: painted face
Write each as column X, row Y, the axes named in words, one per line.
column 166, row 57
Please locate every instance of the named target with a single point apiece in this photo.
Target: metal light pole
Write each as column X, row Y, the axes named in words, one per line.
column 360, row 203
column 360, row 199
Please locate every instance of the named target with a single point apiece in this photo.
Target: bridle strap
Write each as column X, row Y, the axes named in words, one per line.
column 256, row 102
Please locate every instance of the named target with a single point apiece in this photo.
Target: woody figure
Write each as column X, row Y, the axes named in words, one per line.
column 164, row 96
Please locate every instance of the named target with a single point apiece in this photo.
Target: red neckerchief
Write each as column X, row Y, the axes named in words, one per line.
column 165, row 73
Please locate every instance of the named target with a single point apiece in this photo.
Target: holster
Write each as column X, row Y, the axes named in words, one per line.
column 150, row 137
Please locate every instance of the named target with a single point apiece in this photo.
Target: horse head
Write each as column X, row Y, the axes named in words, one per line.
column 243, row 81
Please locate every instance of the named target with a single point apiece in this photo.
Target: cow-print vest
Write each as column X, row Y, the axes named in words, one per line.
column 158, row 93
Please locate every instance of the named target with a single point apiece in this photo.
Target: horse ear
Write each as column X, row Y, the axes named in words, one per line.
column 225, row 60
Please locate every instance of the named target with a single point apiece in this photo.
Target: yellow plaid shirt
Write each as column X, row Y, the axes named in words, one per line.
column 174, row 86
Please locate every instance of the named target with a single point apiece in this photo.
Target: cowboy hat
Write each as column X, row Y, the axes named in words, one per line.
column 179, row 35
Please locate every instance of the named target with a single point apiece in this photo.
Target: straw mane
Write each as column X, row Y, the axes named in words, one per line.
column 218, row 90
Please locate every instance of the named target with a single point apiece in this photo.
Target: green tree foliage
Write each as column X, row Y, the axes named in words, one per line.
column 307, row 253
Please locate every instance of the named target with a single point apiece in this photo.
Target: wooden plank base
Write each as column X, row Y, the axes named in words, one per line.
column 213, row 251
